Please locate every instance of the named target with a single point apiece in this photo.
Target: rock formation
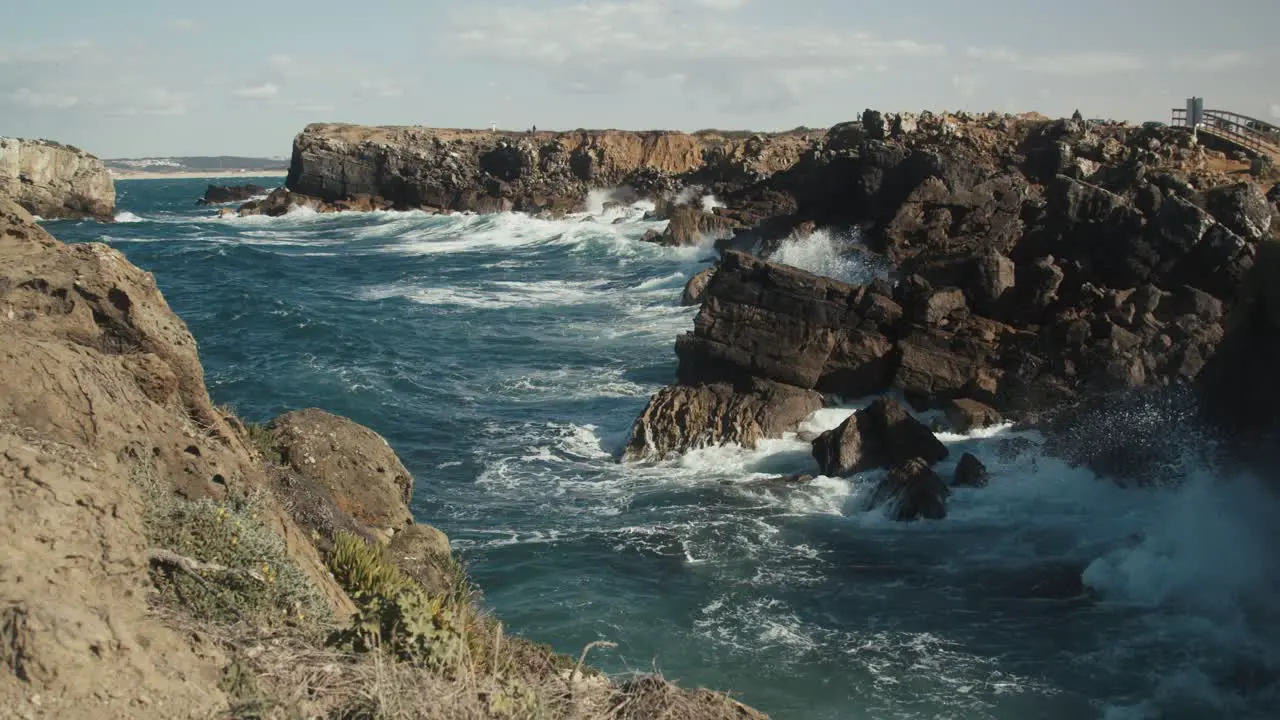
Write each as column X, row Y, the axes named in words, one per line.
column 219, row 194
column 55, row 181
column 484, row 171
column 1036, row 263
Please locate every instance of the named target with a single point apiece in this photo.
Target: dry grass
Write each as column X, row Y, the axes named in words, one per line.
column 287, row 674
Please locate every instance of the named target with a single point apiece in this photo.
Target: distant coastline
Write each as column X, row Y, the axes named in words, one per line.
column 195, row 174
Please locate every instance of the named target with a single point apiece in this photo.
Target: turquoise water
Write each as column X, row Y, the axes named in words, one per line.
column 504, row 358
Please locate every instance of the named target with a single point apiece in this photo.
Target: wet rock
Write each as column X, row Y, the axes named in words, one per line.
column 691, row 226
column 966, row 414
column 910, row 491
column 970, row 472
column 679, row 418
column 879, row 435
column 694, row 289
column 218, row 194
column 1242, row 208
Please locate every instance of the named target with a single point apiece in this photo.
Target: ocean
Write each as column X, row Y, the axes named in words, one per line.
column 505, row 359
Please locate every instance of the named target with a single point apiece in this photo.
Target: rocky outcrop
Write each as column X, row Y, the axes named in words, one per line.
column 55, row 181
column 281, row 201
column 696, row 286
column 1038, row 263
column 353, row 463
column 491, row 171
column 1240, row 387
column 219, row 194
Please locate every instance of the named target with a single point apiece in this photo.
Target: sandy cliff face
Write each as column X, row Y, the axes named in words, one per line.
column 55, row 181
column 101, row 393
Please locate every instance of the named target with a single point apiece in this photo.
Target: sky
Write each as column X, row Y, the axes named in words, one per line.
column 133, row 78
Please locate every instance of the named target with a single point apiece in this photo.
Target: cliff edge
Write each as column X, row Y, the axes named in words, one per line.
column 52, row 180
column 367, row 167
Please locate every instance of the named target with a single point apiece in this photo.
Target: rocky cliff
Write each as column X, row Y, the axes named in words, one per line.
column 159, row 558
column 1034, row 264
column 484, row 171
column 55, row 181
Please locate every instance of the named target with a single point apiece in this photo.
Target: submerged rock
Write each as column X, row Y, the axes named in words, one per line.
column 912, row 490
column 970, row 472
column 218, row 194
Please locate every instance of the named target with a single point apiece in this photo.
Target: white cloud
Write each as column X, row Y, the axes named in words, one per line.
column 1216, row 62
column 42, row 100
column 1088, row 63
column 605, row 47
column 722, row 5
column 266, row 91
column 381, row 88
column 155, row 101
column 1275, row 110
column 997, row 54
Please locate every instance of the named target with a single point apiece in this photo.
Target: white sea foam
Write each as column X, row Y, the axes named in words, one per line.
column 128, row 217
column 709, row 203
column 823, row 252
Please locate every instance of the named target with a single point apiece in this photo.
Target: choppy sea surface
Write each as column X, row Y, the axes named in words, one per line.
column 505, row 358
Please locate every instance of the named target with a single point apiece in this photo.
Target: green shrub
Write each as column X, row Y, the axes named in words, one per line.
column 261, row 583
column 265, row 442
column 363, row 569
column 395, row 613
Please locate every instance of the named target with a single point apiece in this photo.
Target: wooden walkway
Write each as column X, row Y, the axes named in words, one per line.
column 1242, row 131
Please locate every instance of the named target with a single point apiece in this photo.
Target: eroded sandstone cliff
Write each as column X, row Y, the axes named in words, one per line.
column 486, row 171
column 55, row 181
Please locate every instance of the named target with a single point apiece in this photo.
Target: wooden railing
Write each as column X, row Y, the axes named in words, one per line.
column 1249, row 133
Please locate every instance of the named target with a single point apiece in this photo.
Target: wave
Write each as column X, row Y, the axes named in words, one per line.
column 128, row 217
column 823, row 252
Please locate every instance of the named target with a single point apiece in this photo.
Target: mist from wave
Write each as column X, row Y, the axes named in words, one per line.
column 505, row 358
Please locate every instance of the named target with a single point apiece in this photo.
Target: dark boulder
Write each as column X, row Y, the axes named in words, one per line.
column 219, row 194
column 966, row 414
column 879, row 435
column 1242, row 208
column 910, row 491
column 970, row 472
